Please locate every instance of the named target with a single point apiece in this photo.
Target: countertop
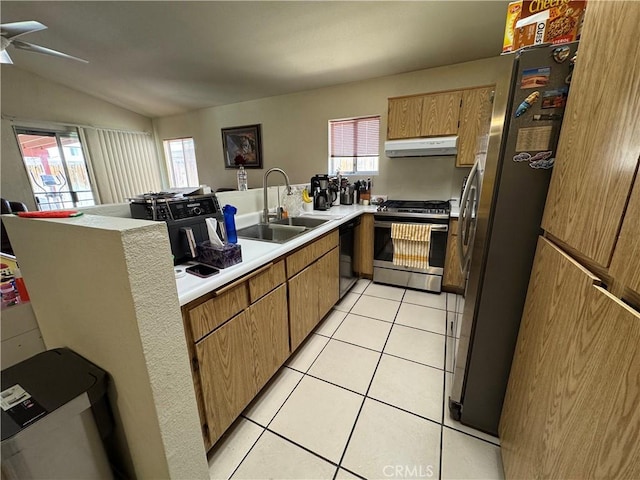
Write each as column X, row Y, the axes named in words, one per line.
column 256, row 253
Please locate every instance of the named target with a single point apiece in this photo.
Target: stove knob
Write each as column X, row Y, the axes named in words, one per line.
column 197, row 211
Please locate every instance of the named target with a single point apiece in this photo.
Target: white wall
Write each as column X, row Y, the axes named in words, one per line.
column 295, row 130
column 29, row 97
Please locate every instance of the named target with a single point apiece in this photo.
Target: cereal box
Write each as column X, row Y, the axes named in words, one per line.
column 542, row 22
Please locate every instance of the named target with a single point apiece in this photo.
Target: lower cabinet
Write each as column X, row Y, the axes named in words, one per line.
column 571, row 408
column 236, row 360
column 453, row 279
column 239, row 335
column 312, row 293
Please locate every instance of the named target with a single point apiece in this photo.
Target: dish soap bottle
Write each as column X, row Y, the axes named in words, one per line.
column 229, row 212
column 242, row 179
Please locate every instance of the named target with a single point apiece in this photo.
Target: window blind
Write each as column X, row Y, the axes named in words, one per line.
column 358, row 137
column 125, row 164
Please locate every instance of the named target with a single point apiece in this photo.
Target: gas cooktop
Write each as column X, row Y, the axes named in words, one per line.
column 417, row 208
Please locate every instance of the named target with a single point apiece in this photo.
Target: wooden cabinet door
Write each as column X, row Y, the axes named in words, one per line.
column 404, row 117
column 328, row 268
column 303, row 304
column 599, row 142
column 453, row 278
column 440, row 114
column 625, row 265
column 269, row 334
column 475, row 121
column 363, row 257
column 571, row 405
column 225, row 367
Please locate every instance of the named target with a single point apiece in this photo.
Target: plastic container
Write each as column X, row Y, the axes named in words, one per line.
column 219, row 257
column 229, row 212
column 242, row 179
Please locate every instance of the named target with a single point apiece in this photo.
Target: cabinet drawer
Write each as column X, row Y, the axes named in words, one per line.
column 214, row 312
column 299, row 260
column 266, row 281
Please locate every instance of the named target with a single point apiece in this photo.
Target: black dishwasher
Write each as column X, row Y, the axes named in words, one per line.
column 347, row 250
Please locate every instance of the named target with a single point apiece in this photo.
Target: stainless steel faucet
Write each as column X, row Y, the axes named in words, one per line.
column 265, row 213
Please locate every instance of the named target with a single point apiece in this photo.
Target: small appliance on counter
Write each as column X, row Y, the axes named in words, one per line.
column 322, row 196
column 185, row 217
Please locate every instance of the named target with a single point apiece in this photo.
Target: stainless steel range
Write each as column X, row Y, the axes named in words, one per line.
column 432, row 212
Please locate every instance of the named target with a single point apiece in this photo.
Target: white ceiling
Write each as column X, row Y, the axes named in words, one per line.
column 163, row 58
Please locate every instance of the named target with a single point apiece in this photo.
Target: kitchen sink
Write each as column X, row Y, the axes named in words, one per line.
column 271, row 232
column 307, row 222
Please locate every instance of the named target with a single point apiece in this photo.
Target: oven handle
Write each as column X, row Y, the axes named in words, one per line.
column 434, row 226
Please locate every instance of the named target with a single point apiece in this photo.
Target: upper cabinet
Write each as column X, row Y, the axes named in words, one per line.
column 475, row 120
column 440, row 114
column 466, row 113
column 404, row 117
column 599, row 144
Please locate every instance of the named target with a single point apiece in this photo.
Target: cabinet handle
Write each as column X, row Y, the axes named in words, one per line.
column 234, row 284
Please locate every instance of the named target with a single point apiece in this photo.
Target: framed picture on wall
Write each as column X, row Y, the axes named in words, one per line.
column 242, row 146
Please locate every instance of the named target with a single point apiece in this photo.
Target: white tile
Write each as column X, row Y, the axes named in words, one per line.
column 346, row 365
column 417, row 345
column 318, row 416
column 452, row 300
column 450, row 354
column 410, row 386
column 426, row 299
column 360, row 286
column 458, row 325
column 229, row 452
column 465, row 457
column 344, row 475
column 266, row 405
column 378, row 308
column 460, row 304
column 424, row 318
column 390, row 443
column 347, row 302
column 450, row 422
column 363, row 331
column 331, row 322
column 274, row 457
column 307, row 352
column 384, row 291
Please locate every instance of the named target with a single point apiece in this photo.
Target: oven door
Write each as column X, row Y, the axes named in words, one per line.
column 383, row 243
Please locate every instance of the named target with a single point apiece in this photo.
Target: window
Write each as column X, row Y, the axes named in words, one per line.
column 180, row 155
column 354, row 145
column 56, row 168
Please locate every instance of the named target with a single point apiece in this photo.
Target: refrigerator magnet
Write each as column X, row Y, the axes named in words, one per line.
column 535, row 77
column 522, row 157
column 560, row 54
column 526, row 104
column 555, row 98
column 547, row 117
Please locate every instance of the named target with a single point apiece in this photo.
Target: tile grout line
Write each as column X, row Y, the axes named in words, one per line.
column 250, row 449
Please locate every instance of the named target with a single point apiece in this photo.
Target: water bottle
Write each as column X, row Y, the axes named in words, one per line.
column 229, row 212
column 242, row 179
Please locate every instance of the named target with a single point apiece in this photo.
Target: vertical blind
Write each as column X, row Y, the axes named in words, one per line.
column 358, row 137
column 125, row 164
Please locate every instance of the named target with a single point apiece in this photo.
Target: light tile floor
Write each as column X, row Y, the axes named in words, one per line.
column 365, row 396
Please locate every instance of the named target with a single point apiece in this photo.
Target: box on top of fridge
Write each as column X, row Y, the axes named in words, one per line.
column 537, row 22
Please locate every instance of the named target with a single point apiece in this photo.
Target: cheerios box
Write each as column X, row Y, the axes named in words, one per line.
column 538, row 22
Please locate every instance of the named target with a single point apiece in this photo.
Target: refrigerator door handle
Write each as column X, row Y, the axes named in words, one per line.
column 464, row 217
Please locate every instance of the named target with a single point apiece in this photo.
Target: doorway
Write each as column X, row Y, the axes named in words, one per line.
column 56, row 167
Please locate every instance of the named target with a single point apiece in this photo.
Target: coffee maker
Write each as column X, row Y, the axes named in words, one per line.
column 320, row 190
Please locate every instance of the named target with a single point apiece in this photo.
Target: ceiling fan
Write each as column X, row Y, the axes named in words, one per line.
column 9, row 33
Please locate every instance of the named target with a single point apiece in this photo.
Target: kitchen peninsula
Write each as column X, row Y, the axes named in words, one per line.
column 111, row 296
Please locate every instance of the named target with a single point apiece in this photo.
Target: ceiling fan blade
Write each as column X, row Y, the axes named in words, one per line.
column 47, row 51
column 4, row 57
column 12, row 30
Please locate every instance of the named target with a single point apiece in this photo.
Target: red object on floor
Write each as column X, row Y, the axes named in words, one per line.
column 51, row 214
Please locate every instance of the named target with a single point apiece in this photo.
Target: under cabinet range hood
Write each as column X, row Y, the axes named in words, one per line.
column 421, row 147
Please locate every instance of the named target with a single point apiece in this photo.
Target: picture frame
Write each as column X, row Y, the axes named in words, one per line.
column 244, row 142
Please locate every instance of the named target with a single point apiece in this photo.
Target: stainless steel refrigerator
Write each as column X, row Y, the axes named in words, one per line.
column 500, row 215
